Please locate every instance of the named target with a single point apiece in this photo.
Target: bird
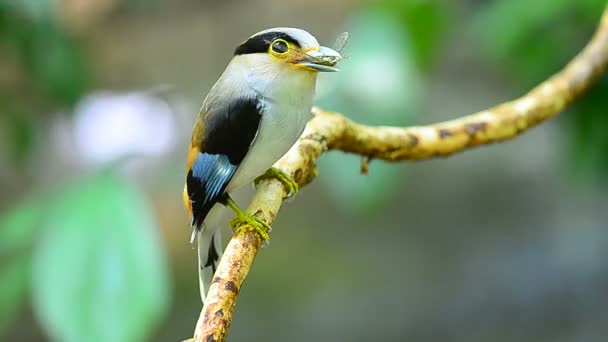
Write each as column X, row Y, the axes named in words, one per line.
column 250, row 118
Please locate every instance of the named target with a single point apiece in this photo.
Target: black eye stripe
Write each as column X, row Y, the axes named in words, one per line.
column 261, row 43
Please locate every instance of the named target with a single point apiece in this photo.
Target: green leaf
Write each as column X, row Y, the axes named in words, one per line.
column 590, row 9
column 546, row 34
column 589, row 141
column 99, row 273
column 17, row 231
column 19, row 133
column 564, row 27
column 53, row 58
column 495, row 22
column 57, row 62
column 18, row 226
column 35, row 9
column 423, row 21
column 13, row 285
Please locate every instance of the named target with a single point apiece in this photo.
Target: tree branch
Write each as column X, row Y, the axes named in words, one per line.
column 332, row 131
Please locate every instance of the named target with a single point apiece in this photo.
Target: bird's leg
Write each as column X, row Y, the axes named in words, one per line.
column 258, row 224
column 288, row 182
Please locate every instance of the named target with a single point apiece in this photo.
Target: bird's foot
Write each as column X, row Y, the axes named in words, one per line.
column 242, row 217
column 288, row 182
column 261, row 227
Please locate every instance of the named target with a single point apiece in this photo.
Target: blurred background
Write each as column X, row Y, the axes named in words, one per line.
column 501, row 243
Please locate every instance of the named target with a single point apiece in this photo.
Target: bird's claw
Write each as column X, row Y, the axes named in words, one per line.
column 242, row 217
column 261, row 227
column 288, row 182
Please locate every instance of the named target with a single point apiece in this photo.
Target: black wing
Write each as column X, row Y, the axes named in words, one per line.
column 229, row 132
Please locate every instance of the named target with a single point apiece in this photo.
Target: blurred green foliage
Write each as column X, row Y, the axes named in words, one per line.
column 17, row 231
column 54, row 62
column 18, row 227
column 536, row 38
column 98, row 270
column 531, row 40
column 422, row 21
column 52, row 58
column 90, row 253
column 13, row 289
column 589, row 125
column 381, row 83
column 362, row 88
column 101, row 236
column 20, row 135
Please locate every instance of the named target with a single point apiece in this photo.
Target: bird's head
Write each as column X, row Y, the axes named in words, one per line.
column 292, row 47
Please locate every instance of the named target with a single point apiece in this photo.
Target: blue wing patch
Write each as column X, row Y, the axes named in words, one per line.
column 230, row 129
column 206, row 182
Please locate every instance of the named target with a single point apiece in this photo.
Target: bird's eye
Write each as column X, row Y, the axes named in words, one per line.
column 279, row 46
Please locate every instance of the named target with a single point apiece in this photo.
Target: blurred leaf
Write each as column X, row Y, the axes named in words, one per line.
column 588, row 133
column 24, row 138
column 590, row 10
column 519, row 45
column 56, row 61
column 421, row 20
column 18, row 227
column 546, row 35
column 13, row 285
column 379, row 84
column 53, row 58
column 35, row 9
column 495, row 22
column 19, row 135
column 99, row 273
column 17, row 231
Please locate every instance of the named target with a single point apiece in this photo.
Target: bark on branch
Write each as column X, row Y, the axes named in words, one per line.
column 332, row 131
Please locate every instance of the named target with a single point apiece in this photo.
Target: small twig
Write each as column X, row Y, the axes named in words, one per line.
column 333, row 131
column 365, row 165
